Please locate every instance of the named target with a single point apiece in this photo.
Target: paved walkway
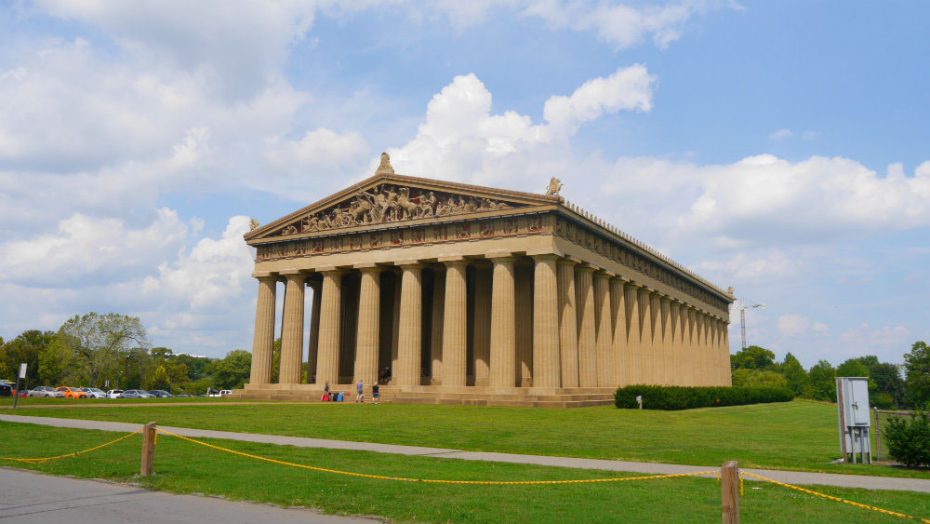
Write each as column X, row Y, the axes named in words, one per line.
column 28, row 497
column 791, row 477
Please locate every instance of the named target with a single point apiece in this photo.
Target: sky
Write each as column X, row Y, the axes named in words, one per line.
column 777, row 147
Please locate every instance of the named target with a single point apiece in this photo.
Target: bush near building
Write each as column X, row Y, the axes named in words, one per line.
column 678, row 397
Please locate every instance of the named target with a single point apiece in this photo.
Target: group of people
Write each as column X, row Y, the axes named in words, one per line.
column 340, row 396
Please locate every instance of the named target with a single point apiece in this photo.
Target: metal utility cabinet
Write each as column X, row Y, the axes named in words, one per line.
column 852, row 404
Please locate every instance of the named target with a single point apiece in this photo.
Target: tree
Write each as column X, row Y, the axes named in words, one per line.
column 101, row 341
column 233, row 370
column 159, row 379
column 889, row 385
column 917, row 370
column 823, row 381
column 753, row 357
column 757, row 378
column 794, row 374
column 26, row 348
column 56, row 363
column 852, row 368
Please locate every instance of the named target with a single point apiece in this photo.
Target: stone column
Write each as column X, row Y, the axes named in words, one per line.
column 369, row 317
column 482, row 325
column 635, row 373
column 689, row 360
column 568, row 323
column 647, row 325
column 701, row 347
column 727, row 371
column 395, row 325
column 436, row 316
column 546, row 362
column 712, row 350
column 675, row 377
column 503, row 324
column 718, row 349
column 664, row 348
column 313, row 343
column 454, row 325
column 263, row 339
column 618, row 318
column 292, row 335
column 587, row 340
column 523, row 282
column 410, row 334
column 327, row 367
column 604, row 367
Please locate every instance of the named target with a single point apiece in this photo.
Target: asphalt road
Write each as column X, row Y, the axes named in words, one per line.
column 27, row 498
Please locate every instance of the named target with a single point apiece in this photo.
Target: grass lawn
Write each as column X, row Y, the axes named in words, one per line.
column 183, row 467
column 799, row 435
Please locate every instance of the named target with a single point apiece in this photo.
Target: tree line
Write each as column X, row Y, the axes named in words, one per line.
column 112, row 351
column 890, row 385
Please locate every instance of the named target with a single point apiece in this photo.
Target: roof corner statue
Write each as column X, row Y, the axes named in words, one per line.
column 554, row 187
column 385, row 167
column 441, row 289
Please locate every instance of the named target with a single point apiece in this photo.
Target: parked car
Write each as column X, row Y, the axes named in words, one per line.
column 94, row 392
column 115, row 393
column 136, row 393
column 71, row 392
column 45, row 392
column 6, row 389
column 159, row 393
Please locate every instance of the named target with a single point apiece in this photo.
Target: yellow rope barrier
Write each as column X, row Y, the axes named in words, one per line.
column 839, row 499
column 70, row 455
column 431, row 481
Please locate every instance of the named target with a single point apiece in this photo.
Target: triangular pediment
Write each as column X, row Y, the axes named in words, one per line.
column 389, row 200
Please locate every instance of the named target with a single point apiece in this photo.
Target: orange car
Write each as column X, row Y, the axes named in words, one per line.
column 71, row 392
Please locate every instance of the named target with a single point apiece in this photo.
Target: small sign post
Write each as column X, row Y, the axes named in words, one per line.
column 21, row 376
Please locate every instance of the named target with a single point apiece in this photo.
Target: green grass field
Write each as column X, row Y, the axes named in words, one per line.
column 182, row 467
column 798, row 435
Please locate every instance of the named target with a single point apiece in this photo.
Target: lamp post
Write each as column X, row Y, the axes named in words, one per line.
column 742, row 319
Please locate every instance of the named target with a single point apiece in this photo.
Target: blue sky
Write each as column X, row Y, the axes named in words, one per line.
column 778, row 147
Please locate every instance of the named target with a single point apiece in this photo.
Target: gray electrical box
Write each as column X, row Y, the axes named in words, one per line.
column 852, row 404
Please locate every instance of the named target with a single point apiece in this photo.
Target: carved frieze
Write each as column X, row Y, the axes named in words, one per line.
column 391, row 203
column 480, row 229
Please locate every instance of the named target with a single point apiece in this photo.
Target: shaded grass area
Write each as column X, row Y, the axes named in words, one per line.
column 795, row 435
column 183, row 467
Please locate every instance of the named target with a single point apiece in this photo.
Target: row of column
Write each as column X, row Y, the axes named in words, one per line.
column 589, row 328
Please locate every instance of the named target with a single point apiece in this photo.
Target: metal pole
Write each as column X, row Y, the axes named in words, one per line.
column 742, row 324
column 16, row 392
column 878, row 436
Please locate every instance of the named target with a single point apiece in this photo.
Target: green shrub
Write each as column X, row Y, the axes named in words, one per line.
column 909, row 439
column 677, row 397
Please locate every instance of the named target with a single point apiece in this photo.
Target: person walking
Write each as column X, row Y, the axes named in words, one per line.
column 376, row 393
column 360, row 391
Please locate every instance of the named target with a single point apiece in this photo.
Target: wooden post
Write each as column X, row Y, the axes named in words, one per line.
column 148, row 449
column 729, row 491
column 878, row 436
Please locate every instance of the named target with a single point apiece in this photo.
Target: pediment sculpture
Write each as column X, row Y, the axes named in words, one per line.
column 392, row 203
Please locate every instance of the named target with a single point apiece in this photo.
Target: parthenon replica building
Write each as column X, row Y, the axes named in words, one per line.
column 453, row 293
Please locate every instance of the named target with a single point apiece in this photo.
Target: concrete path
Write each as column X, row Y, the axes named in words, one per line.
column 27, row 497
column 791, row 477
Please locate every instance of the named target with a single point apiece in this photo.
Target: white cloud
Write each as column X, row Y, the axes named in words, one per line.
column 627, row 89
column 214, row 271
column 620, row 24
column 781, row 134
column 84, row 249
column 461, row 139
column 863, row 339
column 234, row 45
column 793, row 325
